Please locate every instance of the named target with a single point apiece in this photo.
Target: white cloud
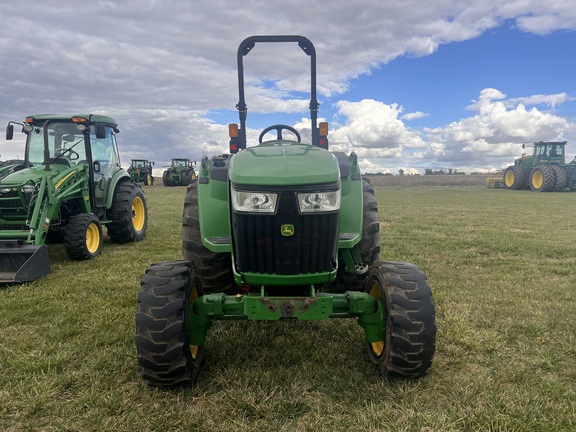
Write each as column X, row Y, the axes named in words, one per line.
column 495, row 132
column 370, row 166
column 414, row 115
column 373, row 124
column 551, row 101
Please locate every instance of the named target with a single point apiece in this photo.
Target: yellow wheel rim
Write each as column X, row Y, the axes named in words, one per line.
column 509, row 178
column 138, row 214
column 376, row 292
column 537, row 179
column 378, row 348
column 92, row 238
column 192, row 297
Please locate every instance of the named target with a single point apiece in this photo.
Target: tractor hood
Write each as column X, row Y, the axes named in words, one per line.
column 282, row 163
column 31, row 175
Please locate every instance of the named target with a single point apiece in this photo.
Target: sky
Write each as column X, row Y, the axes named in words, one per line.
column 407, row 85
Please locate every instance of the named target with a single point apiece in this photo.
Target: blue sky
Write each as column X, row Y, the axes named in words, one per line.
column 406, row 85
column 444, row 83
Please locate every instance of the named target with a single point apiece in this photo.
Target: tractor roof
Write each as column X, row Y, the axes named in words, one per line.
column 92, row 118
column 550, row 142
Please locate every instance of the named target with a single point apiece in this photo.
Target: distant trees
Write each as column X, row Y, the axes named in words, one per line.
column 451, row 171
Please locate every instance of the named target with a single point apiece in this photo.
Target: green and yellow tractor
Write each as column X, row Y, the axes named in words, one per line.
column 180, row 173
column 68, row 186
column 545, row 170
column 140, row 171
column 281, row 230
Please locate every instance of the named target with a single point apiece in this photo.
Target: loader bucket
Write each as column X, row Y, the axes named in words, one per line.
column 20, row 262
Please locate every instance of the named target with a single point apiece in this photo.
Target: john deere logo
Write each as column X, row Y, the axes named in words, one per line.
column 287, row 230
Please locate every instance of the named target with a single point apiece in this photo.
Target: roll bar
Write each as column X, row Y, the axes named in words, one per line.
column 245, row 47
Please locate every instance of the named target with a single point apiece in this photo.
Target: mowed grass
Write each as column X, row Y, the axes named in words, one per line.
column 502, row 267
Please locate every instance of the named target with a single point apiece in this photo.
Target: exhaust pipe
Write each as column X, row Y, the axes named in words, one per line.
column 20, row 262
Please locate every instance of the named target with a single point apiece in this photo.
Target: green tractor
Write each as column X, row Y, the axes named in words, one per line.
column 281, row 230
column 545, row 170
column 180, row 173
column 67, row 187
column 140, row 171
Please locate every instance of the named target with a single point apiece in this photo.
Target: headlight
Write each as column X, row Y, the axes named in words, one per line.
column 257, row 202
column 311, row 202
column 27, row 189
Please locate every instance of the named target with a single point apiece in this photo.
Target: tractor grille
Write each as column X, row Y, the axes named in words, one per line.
column 12, row 205
column 260, row 247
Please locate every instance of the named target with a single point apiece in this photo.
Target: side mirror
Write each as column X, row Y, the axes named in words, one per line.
column 9, row 132
column 100, row 130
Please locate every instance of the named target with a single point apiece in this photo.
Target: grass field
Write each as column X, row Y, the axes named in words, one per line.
column 501, row 264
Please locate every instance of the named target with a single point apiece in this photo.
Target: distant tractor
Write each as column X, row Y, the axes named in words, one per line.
column 545, row 170
column 140, row 171
column 179, row 173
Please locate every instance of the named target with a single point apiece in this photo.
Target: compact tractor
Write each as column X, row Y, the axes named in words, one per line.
column 281, row 230
column 67, row 187
column 140, row 171
column 180, row 173
column 545, row 170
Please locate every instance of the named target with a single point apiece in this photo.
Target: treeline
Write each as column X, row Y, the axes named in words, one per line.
column 450, row 171
column 428, row 180
column 429, row 171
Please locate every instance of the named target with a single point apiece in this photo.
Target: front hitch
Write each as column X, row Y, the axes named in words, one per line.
column 321, row 306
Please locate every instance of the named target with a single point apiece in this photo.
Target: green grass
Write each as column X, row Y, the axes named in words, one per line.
column 501, row 264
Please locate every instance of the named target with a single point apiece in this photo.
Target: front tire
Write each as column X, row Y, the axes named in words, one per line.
column 83, row 237
column 214, row 268
column 165, row 356
column 514, row 178
column 405, row 299
column 129, row 214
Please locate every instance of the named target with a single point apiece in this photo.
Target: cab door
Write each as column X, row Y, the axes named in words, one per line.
column 106, row 163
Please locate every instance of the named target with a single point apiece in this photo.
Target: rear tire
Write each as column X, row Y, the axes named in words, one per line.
column 560, row 178
column 190, row 176
column 542, row 179
column 165, row 356
column 129, row 214
column 514, row 178
column 405, row 299
column 369, row 246
column 214, row 268
column 165, row 179
column 83, row 237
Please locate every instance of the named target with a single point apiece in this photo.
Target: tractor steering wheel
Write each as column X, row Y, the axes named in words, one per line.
column 278, row 128
column 73, row 154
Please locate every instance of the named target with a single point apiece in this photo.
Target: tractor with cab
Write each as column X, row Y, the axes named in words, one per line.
column 68, row 187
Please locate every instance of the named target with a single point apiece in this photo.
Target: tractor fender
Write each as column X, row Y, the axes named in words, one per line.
column 119, row 176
